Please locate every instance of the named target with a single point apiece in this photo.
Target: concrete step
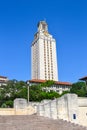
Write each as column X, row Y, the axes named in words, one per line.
column 34, row 122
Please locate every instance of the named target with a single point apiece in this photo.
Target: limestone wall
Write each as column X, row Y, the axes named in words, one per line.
column 82, row 110
column 12, row 111
column 7, row 111
column 82, row 101
column 71, row 101
column 69, row 107
column 65, row 108
column 82, row 115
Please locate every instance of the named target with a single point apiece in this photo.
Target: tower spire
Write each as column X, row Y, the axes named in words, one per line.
column 42, row 26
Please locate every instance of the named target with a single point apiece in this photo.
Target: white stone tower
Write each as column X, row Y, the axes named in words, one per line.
column 44, row 59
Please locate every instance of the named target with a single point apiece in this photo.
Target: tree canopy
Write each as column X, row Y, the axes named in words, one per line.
column 79, row 88
column 19, row 89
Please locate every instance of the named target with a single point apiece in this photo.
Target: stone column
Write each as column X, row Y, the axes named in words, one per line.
column 62, row 108
column 47, row 110
column 40, row 110
column 72, row 107
column 53, row 109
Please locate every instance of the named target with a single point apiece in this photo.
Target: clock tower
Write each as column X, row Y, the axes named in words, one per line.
column 44, row 57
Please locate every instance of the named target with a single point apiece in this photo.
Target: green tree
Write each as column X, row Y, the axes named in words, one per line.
column 37, row 93
column 65, row 92
column 48, row 83
column 79, row 88
column 14, row 89
column 19, row 89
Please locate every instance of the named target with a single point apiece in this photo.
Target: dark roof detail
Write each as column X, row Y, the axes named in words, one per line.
column 3, row 77
column 83, row 78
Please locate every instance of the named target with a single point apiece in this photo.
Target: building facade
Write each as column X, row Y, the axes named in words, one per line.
column 58, row 86
column 3, row 80
column 44, row 57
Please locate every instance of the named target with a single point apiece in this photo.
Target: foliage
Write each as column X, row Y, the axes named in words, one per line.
column 19, row 89
column 36, row 94
column 48, row 83
column 3, row 105
column 65, row 92
column 79, row 88
column 14, row 89
column 9, row 103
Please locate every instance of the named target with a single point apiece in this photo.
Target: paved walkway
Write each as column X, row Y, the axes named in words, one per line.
column 35, row 122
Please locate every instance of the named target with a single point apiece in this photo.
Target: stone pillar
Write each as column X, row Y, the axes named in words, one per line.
column 72, row 107
column 20, row 103
column 67, row 107
column 47, row 110
column 62, row 108
column 40, row 110
column 53, row 109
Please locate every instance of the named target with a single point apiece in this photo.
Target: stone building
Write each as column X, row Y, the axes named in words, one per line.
column 44, row 57
column 3, row 80
column 57, row 86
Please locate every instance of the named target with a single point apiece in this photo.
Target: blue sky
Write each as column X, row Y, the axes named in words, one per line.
column 67, row 22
